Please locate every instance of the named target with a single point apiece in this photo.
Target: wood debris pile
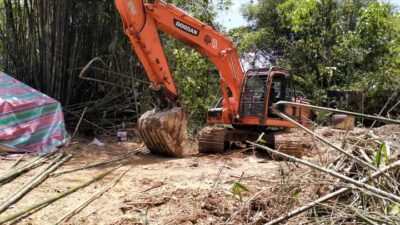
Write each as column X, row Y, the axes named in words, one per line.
column 360, row 188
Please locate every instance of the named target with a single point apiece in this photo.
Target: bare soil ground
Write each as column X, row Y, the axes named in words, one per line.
column 196, row 189
column 156, row 190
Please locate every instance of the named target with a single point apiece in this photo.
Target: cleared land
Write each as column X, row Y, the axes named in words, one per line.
column 196, row 189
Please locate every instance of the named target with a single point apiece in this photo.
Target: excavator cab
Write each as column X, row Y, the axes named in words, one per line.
column 261, row 88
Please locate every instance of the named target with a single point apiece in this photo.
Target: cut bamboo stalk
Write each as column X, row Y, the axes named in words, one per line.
column 15, row 167
column 373, row 190
column 323, row 140
column 325, row 198
column 364, row 218
column 55, row 198
column 79, row 123
column 17, row 162
column 15, row 172
column 75, row 211
column 360, row 115
column 35, row 181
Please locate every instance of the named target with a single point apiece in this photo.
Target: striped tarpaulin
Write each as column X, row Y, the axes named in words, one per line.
column 29, row 120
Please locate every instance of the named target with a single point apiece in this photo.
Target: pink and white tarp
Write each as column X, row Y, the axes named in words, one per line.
column 29, row 120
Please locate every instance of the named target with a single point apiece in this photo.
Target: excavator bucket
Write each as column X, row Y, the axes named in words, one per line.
column 164, row 131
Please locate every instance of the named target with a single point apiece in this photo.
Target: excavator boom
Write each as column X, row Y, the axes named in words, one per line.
column 163, row 129
column 141, row 23
column 247, row 98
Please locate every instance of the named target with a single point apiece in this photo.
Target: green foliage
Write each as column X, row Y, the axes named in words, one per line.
column 196, row 77
column 203, row 10
column 50, row 41
column 328, row 44
column 197, row 83
column 145, row 217
column 323, row 118
column 394, row 209
column 237, row 190
column 381, row 154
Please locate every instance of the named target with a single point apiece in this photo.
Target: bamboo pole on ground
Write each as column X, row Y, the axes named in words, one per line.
column 325, row 198
column 15, row 167
column 319, row 137
column 15, row 172
column 79, row 208
column 17, row 162
column 373, row 190
column 360, row 115
column 308, row 106
column 35, row 181
column 55, row 198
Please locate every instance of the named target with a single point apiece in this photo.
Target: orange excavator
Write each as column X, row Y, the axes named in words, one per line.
column 245, row 109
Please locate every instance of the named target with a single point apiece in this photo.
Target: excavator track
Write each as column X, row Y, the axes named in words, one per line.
column 217, row 139
column 164, row 131
column 212, row 140
column 292, row 142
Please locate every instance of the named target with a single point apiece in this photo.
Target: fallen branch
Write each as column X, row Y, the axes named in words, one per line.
column 325, row 198
column 75, row 211
column 376, row 191
column 35, row 181
column 153, row 187
column 48, row 201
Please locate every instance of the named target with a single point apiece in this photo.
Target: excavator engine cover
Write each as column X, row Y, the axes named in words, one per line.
column 164, row 131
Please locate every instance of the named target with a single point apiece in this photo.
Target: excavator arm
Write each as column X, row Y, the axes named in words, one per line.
column 142, row 20
column 163, row 129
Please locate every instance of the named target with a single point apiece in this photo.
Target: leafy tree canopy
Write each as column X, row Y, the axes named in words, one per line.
column 327, row 44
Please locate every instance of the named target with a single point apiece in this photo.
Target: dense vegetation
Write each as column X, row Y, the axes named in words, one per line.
column 327, row 44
